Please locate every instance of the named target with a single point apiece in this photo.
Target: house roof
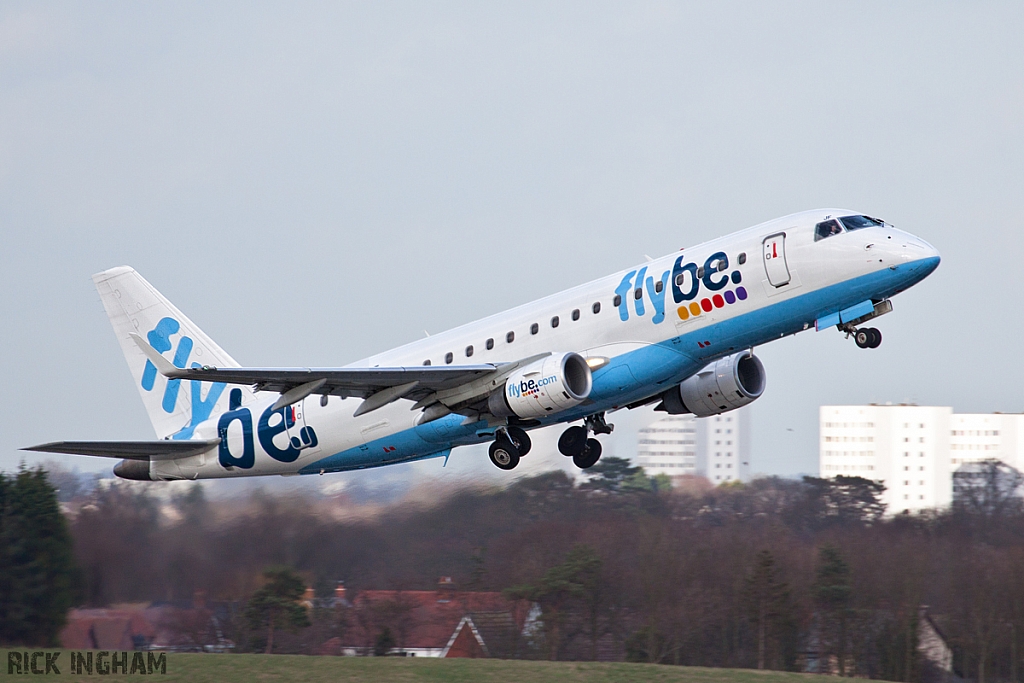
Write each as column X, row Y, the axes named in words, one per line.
column 425, row 619
column 495, row 633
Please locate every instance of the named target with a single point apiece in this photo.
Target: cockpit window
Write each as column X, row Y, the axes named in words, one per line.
column 826, row 229
column 858, row 222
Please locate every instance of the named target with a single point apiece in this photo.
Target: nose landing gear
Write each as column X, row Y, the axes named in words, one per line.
column 867, row 338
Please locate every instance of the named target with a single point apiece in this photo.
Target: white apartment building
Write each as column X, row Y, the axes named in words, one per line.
column 668, row 446
column 714, row 447
column 982, row 436
column 913, row 450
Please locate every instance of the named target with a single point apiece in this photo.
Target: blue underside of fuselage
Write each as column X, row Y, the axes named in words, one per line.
column 647, row 371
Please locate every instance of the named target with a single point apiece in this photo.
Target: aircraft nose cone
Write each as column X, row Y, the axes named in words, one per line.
column 913, row 248
column 919, row 256
column 930, row 251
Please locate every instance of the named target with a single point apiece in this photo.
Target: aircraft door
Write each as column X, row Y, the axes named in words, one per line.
column 775, row 259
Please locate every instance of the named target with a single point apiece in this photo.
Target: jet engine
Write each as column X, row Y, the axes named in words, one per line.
column 727, row 384
column 552, row 384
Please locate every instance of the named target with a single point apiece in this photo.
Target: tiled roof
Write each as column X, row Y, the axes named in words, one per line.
column 424, row 619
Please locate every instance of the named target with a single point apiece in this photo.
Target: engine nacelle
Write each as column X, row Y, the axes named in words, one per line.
column 727, row 384
column 549, row 385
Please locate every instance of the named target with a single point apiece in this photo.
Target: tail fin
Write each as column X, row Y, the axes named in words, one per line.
column 134, row 305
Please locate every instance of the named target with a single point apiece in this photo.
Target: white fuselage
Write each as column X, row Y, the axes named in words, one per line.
column 777, row 280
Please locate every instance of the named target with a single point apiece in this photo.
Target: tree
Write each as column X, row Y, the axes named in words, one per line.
column 662, row 483
column 577, row 578
column 841, row 501
column 767, row 599
column 832, row 596
column 276, row 604
column 38, row 574
column 613, row 474
column 989, row 488
column 385, row 643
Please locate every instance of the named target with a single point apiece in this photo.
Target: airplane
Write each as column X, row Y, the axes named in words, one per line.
column 677, row 332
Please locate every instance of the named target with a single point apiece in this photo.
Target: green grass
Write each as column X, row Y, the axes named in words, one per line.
column 201, row 668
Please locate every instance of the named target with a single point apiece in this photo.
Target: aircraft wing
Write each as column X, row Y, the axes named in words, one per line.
column 424, row 384
column 344, row 382
column 128, row 450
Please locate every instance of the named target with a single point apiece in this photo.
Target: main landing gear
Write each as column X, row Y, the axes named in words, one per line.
column 585, row 452
column 511, row 444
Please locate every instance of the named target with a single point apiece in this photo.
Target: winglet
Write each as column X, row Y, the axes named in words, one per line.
column 163, row 366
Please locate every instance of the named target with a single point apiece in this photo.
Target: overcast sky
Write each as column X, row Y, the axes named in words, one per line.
column 314, row 183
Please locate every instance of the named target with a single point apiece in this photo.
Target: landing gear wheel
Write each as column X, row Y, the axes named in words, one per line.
column 876, row 338
column 573, row 441
column 590, row 455
column 520, row 439
column 863, row 337
column 504, row 454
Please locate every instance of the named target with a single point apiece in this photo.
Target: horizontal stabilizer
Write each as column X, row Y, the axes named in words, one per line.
column 128, row 450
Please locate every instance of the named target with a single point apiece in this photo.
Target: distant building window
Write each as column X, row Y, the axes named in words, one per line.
column 449, row 357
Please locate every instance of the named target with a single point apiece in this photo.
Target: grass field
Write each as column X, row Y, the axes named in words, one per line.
column 203, row 668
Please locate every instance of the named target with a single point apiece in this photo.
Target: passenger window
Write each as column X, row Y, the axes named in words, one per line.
column 617, row 301
column 721, row 265
column 449, row 357
column 534, row 328
column 742, row 258
column 638, row 293
column 597, row 307
column 490, row 344
column 658, row 286
column 700, row 272
column 426, row 362
column 469, row 351
column 554, row 321
column 679, row 280
column 858, row 222
column 510, row 337
column 826, row 229
column 576, row 314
